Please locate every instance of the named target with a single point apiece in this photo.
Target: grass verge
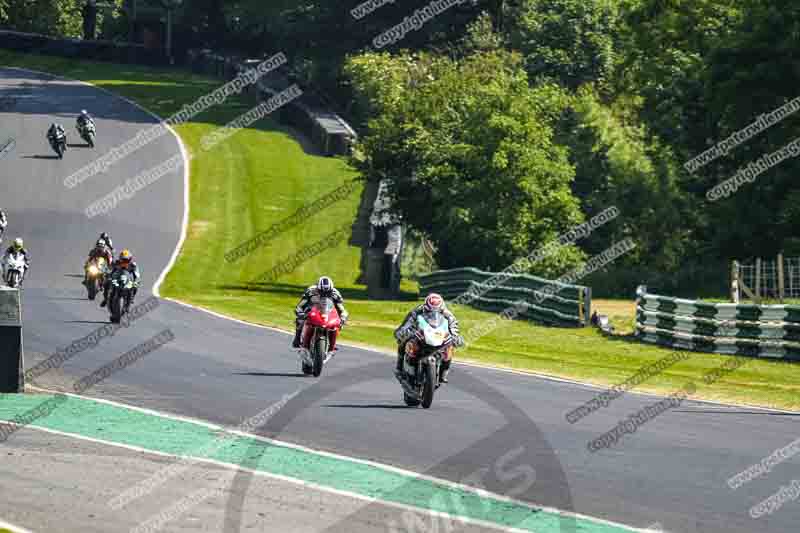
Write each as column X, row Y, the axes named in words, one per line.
column 263, row 174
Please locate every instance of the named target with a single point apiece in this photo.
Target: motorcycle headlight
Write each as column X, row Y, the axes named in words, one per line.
column 93, row 270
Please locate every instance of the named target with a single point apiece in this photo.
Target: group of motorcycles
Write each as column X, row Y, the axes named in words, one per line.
column 419, row 377
column 120, row 294
column 59, row 141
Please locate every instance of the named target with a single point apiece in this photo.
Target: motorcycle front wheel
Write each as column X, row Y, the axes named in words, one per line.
column 318, row 354
column 429, row 386
column 92, row 288
column 115, row 306
column 13, row 280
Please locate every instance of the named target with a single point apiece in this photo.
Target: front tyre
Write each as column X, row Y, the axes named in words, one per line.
column 13, row 280
column 429, row 386
column 318, row 354
column 92, row 288
column 90, row 139
column 115, row 306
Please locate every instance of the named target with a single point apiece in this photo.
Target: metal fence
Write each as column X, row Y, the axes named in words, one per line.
column 770, row 279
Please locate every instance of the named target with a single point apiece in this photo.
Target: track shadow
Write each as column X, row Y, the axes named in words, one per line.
column 39, row 157
column 348, row 293
column 270, row 374
column 70, row 299
column 71, row 145
column 368, row 406
column 73, row 276
column 85, row 322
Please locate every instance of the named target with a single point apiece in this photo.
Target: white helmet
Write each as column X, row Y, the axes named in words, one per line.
column 325, row 285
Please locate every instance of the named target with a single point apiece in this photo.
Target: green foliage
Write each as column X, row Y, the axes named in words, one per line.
column 49, row 17
column 570, row 41
column 468, row 147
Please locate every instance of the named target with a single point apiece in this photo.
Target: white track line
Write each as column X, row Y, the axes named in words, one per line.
column 275, row 442
column 13, row 528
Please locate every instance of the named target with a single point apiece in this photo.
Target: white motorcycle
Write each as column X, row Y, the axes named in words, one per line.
column 87, row 133
column 14, row 270
column 420, row 376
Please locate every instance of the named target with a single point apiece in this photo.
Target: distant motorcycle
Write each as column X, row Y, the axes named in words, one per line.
column 121, row 293
column 95, row 276
column 420, row 376
column 318, row 339
column 59, row 144
column 87, row 133
column 14, row 270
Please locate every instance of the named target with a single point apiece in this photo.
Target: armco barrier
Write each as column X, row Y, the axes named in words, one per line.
column 735, row 329
column 11, row 358
column 565, row 305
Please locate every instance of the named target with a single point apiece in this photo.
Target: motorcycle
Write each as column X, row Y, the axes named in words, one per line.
column 59, row 144
column 87, row 133
column 14, row 270
column 420, row 375
column 95, row 276
column 121, row 293
column 318, row 338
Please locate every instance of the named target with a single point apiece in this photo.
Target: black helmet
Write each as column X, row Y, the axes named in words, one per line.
column 104, row 236
column 325, row 285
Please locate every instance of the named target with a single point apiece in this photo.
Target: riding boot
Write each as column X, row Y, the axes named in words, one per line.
column 444, row 370
column 296, row 341
column 400, row 356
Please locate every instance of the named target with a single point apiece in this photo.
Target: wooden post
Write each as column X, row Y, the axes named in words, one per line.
column 735, row 281
column 781, row 291
column 758, row 280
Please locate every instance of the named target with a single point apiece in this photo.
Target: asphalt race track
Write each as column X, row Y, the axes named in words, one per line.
column 672, row 471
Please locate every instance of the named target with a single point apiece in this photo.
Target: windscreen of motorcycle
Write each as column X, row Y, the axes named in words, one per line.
column 434, row 327
column 325, row 305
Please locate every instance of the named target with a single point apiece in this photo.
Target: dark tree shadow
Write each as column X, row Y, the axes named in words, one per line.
column 270, row 374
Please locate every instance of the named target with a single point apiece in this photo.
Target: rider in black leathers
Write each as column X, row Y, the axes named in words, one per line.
column 324, row 287
column 126, row 261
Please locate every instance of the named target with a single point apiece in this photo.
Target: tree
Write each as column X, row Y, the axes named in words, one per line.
column 569, row 41
column 468, row 149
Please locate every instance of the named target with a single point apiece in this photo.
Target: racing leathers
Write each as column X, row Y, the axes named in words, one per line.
column 10, row 251
column 405, row 333
column 310, row 297
column 131, row 267
column 82, row 121
column 54, row 132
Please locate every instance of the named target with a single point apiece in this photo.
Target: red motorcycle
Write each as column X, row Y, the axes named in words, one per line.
column 318, row 339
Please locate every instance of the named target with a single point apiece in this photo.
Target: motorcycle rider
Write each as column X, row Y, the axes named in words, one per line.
column 100, row 249
column 433, row 302
column 84, row 119
column 3, row 223
column 127, row 262
column 55, row 131
column 106, row 240
column 312, row 295
column 17, row 247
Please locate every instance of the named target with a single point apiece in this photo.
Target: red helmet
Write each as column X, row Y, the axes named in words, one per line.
column 434, row 302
